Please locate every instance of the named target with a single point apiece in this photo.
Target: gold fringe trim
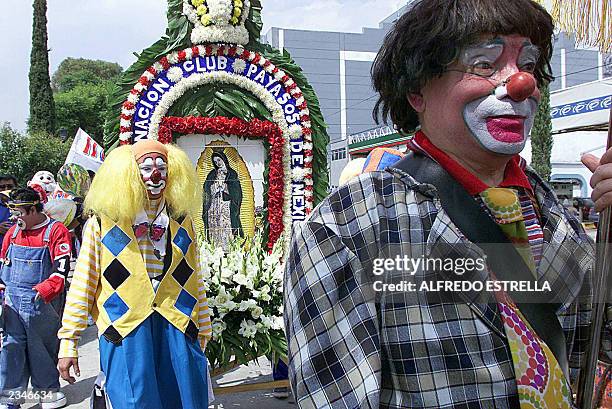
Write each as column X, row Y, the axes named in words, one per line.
column 589, row 20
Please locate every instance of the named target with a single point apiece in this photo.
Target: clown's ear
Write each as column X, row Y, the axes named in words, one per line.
column 416, row 101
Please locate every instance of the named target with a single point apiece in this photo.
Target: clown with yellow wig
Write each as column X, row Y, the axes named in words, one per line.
column 138, row 276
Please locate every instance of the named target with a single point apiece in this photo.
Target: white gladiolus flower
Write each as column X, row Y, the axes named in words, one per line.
column 244, row 280
column 278, row 323
column 263, row 294
column 227, row 307
column 247, row 305
column 256, row 311
column 248, row 329
column 223, row 297
column 266, row 321
column 206, row 287
column 269, row 260
column 218, row 326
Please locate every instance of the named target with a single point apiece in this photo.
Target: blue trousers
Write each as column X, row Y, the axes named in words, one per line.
column 155, row 367
column 29, row 344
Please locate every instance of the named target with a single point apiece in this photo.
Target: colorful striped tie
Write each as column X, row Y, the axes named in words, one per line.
column 539, row 378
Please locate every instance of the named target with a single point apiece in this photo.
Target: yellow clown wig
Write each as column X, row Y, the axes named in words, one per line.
column 118, row 192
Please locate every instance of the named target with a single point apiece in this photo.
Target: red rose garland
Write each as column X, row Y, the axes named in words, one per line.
column 248, row 128
column 252, row 129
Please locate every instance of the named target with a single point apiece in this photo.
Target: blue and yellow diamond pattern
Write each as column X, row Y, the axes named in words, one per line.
column 126, row 296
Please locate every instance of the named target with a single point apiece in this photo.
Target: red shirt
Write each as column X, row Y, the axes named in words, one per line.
column 59, row 239
column 514, row 175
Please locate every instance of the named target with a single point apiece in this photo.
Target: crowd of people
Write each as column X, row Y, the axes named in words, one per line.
column 465, row 75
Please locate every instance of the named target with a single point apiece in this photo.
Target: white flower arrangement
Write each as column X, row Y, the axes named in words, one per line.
column 218, row 20
column 246, row 301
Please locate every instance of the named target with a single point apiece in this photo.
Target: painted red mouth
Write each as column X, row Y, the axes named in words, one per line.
column 508, row 129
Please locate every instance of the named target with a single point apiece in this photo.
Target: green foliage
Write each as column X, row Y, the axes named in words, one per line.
column 220, row 100
column 73, row 72
column 82, row 89
column 24, row 155
column 541, row 138
column 42, row 109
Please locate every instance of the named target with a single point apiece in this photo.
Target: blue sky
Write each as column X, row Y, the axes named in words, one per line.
column 113, row 29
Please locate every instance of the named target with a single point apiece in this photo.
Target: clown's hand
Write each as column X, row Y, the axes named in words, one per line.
column 601, row 181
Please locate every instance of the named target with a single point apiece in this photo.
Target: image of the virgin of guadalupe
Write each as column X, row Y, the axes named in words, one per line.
column 222, row 201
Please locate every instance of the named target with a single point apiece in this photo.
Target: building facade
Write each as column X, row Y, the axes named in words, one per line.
column 338, row 67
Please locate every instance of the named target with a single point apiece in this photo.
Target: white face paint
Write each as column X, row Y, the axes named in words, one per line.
column 154, row 172
column 500, row 126
column 480, row 59
column 46, row 180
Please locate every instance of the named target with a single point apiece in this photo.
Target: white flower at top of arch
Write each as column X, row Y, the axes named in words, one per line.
column 218, row 21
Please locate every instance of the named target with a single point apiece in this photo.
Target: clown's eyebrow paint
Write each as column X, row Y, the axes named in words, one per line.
column 482, row 54
column 530, row 54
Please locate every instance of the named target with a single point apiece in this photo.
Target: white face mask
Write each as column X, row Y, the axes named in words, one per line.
column 154, row 172
column 500, row 126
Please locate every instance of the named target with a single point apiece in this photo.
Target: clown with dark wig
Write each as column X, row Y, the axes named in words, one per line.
column 375, row 317
column 138, row 276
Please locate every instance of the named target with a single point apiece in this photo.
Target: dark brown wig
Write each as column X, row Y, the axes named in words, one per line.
column 430, row 36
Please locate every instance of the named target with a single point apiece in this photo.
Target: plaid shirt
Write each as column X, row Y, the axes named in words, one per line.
column 352, row 348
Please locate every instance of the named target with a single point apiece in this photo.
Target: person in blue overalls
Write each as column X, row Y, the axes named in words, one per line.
column 35, row 260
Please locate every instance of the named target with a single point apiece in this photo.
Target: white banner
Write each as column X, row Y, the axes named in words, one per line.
column 581, row 106
column 85, row 152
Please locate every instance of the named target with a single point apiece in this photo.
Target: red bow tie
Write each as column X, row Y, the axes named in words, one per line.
column 156, row 231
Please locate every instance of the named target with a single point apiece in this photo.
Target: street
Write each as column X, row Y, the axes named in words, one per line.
column 78, row 394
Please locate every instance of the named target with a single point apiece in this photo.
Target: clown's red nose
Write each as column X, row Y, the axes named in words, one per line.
column 155, row 176
column 520, row 86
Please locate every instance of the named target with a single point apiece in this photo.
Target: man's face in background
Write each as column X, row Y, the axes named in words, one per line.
column 7, row 184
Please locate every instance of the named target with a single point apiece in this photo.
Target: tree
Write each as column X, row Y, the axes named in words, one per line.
column 541, row 138
column 73, row 72
column 42, row 108
column 24, row 155
column 81, row 89
column 84, row 106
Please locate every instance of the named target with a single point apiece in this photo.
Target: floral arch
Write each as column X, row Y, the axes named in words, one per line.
column 210, row 75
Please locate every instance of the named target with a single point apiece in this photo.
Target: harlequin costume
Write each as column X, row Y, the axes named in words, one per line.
column 34, row 260
column 140, row 279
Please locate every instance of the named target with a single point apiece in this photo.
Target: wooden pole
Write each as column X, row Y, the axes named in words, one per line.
column 601, row 283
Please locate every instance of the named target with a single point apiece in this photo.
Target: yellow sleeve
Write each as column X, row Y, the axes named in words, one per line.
column 204, row 323
column 81, row 295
